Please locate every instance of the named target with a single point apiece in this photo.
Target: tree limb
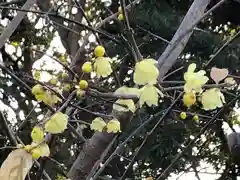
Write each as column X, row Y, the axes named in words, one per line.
column 15, row 22
column 170, row 55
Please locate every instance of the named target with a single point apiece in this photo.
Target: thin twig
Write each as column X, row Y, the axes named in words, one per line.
column 178, row 156
column 204, row 86
column 55, row 59
column 150, row 133
column 15, row 77
column 22, row 125
column 171, row 73
column 86, row 18
column 123, row 144
column 196, row 172
column 130, row 32
column 8, row 147
column 113, row 16
column 77, row 134
column 192, row 114
column 222, row 47
column 6, row 34
column 68, row 20
column 154, row 35
column 112, row 95
column 97, row 114
column 85, row 39
column 9, row 132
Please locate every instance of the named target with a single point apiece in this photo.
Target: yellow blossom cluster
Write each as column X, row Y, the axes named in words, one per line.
column 55, row 125
column 194, row 81
column 45, row 96
column 113, row 126
column 145, row 75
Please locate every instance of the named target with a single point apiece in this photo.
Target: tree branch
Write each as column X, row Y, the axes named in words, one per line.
column 15, row 22
column 9, row 132
column 194, row 15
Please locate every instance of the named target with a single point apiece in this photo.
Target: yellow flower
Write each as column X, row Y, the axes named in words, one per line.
column 194, row 80
column 41, row 150
column 120, row 10
column 83, row 84
column 127, row 90
column 44, row 149
column 37, row 89
column 120, row 17
column 149, row 95
column 63, row 58
column 37, row 75
column 37, row 134
column 53, row 81
column 189, row 99
column 65, row 76
column 212, row 99
column 98, row 124
column 80, row 93
column 124, row 105
column 229, row 81
column 57, row 123
column 36, row 153
column 46, row 96
column 28, row 148
column 102, row 67
column 87, row 67
column 99, row 51
column 146, row 72
column 66, row 87
column 183, row 115
column 195, row 117
column 15, row 43
column 113, row 126
column 49, row 98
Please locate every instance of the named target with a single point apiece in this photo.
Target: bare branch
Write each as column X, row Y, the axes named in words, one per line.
column 15, row 22
column 194, row 15
column 222, row 47
column 9, row 132
column 179, row 155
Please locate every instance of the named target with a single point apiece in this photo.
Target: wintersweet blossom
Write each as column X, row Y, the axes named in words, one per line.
column 102, row 66
column 212, row 99
column 189, row 99
column 194, row 80
column 124, row 105
column 146, row 72
column 57, row 123
column 113, row 126
column 149, row 95
column 127, row 90
column 98, row 124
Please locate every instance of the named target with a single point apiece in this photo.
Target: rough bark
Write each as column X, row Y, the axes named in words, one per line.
column 93, row 149
column 170, row 55
column 89, row 155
